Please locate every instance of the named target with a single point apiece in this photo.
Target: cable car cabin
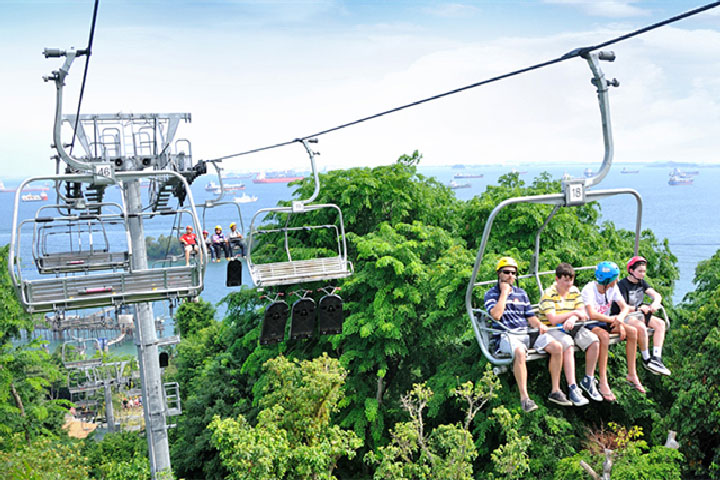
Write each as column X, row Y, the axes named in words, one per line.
column 484, row 326
column 291, row 269
column 80, row 241
column 85, row 260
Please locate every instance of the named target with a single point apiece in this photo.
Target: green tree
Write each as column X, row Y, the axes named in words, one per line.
column 117, row 454
column 26, row 373
column 192, row 317
column 632, row 458
column 210, row 368
column 46, row 458
column 293, row 437
column 447, row 451
column 694, row 346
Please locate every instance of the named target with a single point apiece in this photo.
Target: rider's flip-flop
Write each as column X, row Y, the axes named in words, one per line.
column 637, row 386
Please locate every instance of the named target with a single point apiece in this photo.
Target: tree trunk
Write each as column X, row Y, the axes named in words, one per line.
column 19, row 403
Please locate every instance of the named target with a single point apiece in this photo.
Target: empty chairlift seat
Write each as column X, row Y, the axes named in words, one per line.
column 291, row 270
column 80, row 242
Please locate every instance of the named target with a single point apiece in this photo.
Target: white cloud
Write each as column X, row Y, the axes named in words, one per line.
column 452, row 10
column 604, row 8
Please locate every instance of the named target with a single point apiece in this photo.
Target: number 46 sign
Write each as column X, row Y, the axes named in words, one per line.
column 103, row 174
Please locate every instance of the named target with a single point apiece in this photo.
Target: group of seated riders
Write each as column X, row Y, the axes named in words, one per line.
column 568, row 317
column 215, row 244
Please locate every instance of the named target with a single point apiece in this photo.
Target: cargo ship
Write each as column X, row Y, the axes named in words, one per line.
column 31, row 197
column 26, row 189
column 284, row 177
column 228, row 187
column 679, row 180
column 454, row 185
column 469, row 175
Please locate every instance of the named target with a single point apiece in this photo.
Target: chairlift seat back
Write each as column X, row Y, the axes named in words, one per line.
column 234, row 273
column 330, row 315
column 303, row 318
column 71, row 262
column 273, row 327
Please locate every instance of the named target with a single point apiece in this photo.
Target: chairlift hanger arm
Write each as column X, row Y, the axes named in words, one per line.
column 306, row 143
column 58, row 76
column 602, row 84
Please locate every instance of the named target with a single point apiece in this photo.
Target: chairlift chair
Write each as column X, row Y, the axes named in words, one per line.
column 292, row 271
column 82, row 288
column 83, row 363
column 574, row 193
column 79, row 242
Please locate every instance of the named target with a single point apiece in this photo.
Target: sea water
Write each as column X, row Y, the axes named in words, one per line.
column 684, row 214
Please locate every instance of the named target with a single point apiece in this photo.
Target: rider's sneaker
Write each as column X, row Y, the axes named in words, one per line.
column 651, row 366
column 576, row 396
column 590, row 387
column 559, row 398
column 657, row 364
column 528, row 405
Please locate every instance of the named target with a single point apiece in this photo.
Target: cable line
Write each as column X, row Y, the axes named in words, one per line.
column 578, row 52
column 88, row 52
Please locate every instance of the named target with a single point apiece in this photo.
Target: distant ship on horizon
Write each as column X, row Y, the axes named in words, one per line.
column 626, row 170
column 469, row 175
column 26, row 189
column 676, row 180
column 30, row 197
column 228, row 187
column 276, row 177
column 454, row 185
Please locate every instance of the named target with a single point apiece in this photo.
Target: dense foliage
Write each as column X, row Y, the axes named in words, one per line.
column 163, row 247
column 413, row 245
column 381, row 399
column 695, row 384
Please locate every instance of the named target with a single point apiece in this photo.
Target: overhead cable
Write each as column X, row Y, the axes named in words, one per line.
column 88, row 52
column 572, row 54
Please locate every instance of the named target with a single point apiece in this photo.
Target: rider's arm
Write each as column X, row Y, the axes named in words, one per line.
column 657, row 298
column 624, row 309
column 497, row 311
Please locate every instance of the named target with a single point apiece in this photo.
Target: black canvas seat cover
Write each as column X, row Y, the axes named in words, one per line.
column 303, row 318
column 273, row 328
column 330, row 315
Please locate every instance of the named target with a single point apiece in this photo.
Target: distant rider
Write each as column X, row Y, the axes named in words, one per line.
column 189, row 242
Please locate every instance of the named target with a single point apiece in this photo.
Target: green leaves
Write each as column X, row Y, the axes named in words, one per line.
column 293, row 437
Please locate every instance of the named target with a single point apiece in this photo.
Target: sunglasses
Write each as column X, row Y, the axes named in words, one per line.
column 508, row 272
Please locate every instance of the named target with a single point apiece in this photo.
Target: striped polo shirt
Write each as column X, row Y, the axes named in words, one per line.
column 517, row 307
column 552, row 302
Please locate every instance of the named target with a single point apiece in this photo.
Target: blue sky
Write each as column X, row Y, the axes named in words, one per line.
column 254, row 73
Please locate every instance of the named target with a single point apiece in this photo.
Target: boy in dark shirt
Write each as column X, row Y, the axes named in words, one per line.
column 633, row 288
